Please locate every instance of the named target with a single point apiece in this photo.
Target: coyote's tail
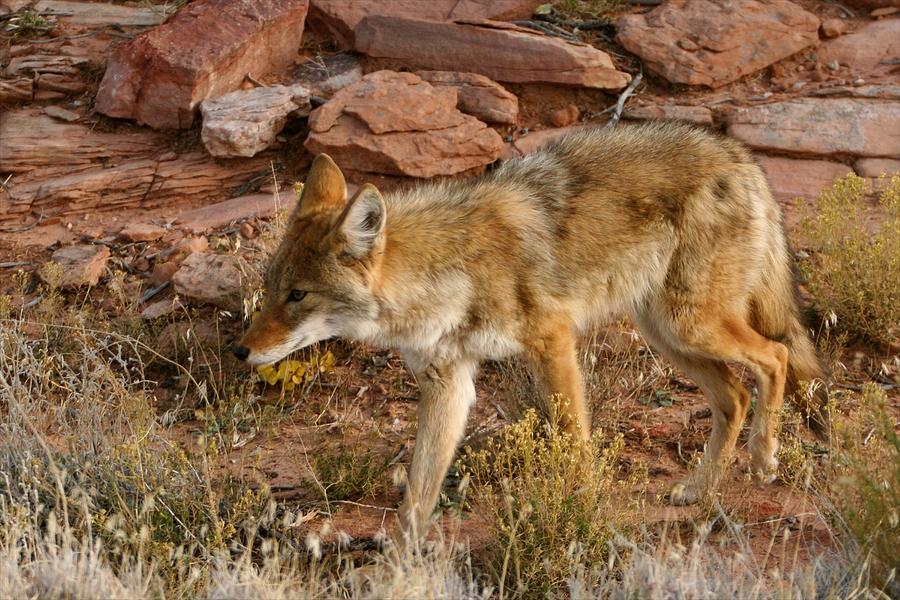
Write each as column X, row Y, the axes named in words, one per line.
column 776, row 315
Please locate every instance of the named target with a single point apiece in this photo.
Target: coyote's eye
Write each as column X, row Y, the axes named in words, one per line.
column 296, row 295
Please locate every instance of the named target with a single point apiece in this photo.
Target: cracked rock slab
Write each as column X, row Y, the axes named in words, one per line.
column 398, row 124
column 715, row 42
column 501, row 51
column 245, row 122
column 821, row 126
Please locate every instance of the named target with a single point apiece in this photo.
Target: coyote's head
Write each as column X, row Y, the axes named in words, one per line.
column 319, row 283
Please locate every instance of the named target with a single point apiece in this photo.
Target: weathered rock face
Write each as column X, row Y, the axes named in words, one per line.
column 497, row 50
column 714, row 42
column 71, row 168
column 84, row 13
column 477, row 95
column 205, row 50
column 865, row 49
column 245, row 122
column 207, row 218
column 398, row 124
column 876, row 167
column 821, row 126
column 340, row 17
column 212, row 278
column 77, row 266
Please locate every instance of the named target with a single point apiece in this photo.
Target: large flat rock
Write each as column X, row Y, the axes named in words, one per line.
column 398, row 124
column 715, row 42
column 818, row 126
column 205, row 50
column 340, row 17
column 212, row 279
column 494, row 49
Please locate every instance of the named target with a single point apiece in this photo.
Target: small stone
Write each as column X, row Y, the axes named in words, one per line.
column 833, row 27
column 80, row 265
column 859, row 81
column 160, row 308
column 140, row 264
column 58, row 112
column 834, row 65
column 162, row 272
column 187, row 246
column 688, row 45
column 565, row 116
column 167, row 156
column 141, row 232
column 212, row 279
column 247, row 231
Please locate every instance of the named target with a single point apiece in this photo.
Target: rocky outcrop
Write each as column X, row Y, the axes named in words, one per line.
column 245, row 122
column 821, row 126
column 398, row 124
column 501, row 51
column 71, row 168
column 714, row 42
column 205, row 50
column 477, row 95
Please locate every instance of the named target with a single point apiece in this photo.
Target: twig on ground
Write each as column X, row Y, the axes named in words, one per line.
column 549, row 29
column 28, row 227
column 154, row 291
column 17, row 263
column 620, row 104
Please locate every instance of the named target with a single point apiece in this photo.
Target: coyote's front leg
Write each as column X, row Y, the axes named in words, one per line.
column 446, row 393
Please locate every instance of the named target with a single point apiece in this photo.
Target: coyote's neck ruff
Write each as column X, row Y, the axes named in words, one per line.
column 671, row 224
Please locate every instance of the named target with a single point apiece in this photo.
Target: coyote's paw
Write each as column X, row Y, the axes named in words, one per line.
column 684, row 493
column 764, row 468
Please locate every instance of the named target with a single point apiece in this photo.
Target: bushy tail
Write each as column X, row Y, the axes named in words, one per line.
column 776, row 315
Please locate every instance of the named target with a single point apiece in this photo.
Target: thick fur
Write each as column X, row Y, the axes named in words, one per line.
column 670, row 224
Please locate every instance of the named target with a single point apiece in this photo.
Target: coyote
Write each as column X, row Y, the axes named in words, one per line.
column 673, row 225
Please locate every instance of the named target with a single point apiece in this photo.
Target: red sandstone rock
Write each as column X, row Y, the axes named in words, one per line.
column 497, row 50
column 821, row 126
column 834, row 27
column 864, row 49
column 730, row 38
column 77, row 266
column 205, row 50
column 340, row 17
column 398, row 124
column 565, row 116
column 477, row 95
column 212, row 279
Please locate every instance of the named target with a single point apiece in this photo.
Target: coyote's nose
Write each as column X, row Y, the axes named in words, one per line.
column 241, row 352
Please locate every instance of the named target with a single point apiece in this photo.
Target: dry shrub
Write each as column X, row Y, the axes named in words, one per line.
column 851, row 272
column 551, row 501
column 867, row 490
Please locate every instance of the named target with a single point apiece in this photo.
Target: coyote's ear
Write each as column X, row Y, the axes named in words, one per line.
column 363, row 222
column 325, row 189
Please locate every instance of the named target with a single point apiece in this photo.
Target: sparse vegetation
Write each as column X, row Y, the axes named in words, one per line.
column 854, row 270
column 550, row 500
